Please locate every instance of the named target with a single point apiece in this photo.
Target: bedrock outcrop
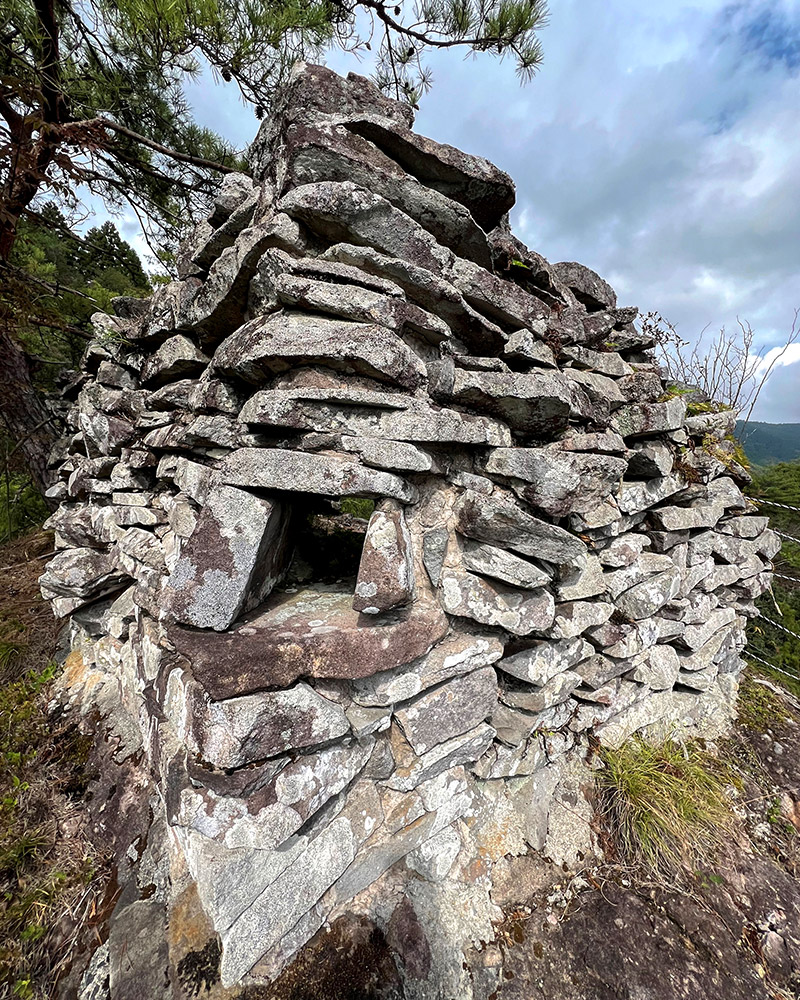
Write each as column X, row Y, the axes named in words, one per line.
column 371, row 524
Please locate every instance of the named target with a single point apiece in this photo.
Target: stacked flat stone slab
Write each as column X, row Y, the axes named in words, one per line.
column 555, row 551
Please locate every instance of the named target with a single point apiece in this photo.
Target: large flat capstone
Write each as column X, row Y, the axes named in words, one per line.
column 297, row 471
column 313, row 633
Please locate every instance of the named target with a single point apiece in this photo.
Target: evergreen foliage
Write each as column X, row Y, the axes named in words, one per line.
column 74, row 277
column 65, row 279
column 780, row 483
column 93, row 93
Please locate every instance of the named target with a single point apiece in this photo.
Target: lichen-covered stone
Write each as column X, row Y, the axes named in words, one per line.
column 448, row 710
column 373, row 524
column 501, row 523
column 231, row 561
column 272, row 344
column 294, row 471
column 386, row 573
column 467, row 595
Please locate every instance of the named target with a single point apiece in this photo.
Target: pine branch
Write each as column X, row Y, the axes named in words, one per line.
column 173, row 154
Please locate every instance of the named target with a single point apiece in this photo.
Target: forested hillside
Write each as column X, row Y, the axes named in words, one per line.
column 59, row 279
column 766, row 444
column 781, row 484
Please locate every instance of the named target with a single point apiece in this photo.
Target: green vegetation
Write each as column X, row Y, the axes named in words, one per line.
column 780, row 483
column 358, row 507
column 665, row 806
column 44, row 871
column 767, row 444
column 728, row 452
column 46, row 865
column 81, row 275
column 673, row 391
column 697, row 409
column 21, row 506
column 759, row 708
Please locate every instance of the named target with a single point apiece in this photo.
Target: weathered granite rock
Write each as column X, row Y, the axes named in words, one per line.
column 448, row 710
column 499, row 522
column 469, row 596
column 176, row 358
column 604, row 362
column 561, row 483
column 542, row 661
column 238, row 731
column 573, row 618
column 587, row 286
column 231, row 561
column 311, row 410
column 500, row 564
column 356, row 598
column 624, row 550
column 310, row 634
column 523, row 346
column 532, row 404
column 434, row 293
column 650, row 459
column 553, row 692
column 704, row 515
column 480, row 186
column 359, row 304
column 273, row 344
column 588, row 581
column 657, row 667
column 292, row 894
column 330, row 475
column 345, row 212
column 386, row 573
column 323, row 153
column 466, row 748
column 648, row 563
column 434, row 547
column 82, row 574
column 454, row 656
column 648, row 597
column 641, row 419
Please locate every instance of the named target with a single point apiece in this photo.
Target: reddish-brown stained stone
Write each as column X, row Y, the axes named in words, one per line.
column 315, row 633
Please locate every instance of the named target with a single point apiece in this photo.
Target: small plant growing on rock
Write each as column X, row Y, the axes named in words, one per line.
column 666, row 807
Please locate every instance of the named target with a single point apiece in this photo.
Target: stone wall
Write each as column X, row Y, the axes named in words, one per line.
column 371, row 525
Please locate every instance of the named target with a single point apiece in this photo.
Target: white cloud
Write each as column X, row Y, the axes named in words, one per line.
column 658, row 145
column 778, row 357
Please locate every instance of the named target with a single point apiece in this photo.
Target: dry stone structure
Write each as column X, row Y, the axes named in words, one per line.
column 370, row 525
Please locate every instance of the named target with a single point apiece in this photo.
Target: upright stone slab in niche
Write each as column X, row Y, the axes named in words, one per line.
column 371, row 510
column 231, row 561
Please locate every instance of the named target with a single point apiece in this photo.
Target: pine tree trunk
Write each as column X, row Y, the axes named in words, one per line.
column 31, row 427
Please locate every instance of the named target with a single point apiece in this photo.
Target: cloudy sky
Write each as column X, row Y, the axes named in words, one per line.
column 659, row 144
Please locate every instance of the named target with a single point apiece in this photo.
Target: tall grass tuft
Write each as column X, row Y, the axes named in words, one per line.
column 666, row 807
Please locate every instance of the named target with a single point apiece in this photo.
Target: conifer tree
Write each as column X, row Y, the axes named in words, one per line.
column 92, row 99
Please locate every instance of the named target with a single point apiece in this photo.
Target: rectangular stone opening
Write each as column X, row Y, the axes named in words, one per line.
column 328, row 536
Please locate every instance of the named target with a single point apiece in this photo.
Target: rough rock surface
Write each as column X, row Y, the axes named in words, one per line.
column 308, row 544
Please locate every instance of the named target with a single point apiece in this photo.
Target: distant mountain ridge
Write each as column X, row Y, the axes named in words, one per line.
column 766, row 444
